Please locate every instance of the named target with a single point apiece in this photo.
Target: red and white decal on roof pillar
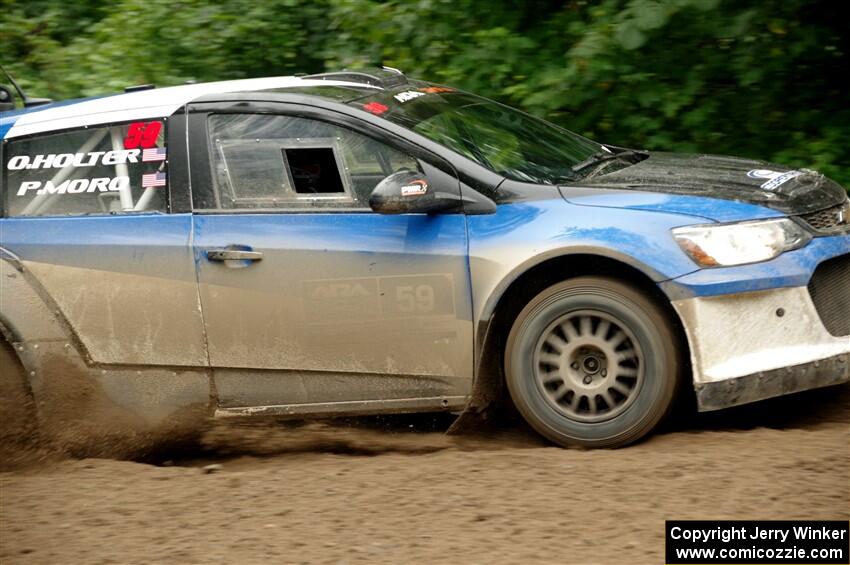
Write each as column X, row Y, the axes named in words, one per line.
column 142, row 134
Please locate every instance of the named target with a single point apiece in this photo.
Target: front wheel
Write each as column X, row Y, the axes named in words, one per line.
column 592, row 362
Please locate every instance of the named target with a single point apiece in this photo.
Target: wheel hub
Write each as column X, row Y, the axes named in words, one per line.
column 591, row 364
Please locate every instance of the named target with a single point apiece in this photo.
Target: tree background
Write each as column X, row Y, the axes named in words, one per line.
column 761, row 78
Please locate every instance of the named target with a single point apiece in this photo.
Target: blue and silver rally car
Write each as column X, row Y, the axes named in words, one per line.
column 361, row 243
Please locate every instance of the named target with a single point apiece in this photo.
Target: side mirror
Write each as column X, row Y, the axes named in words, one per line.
column 7, row 99
column 407, row 192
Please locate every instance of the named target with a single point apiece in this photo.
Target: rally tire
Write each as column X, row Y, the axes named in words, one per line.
column 592, row 362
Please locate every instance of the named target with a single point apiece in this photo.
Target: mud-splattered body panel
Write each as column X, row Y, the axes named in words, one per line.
column 304, row 310
column 126, row 286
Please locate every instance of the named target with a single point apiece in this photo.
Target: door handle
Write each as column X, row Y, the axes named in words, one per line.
column 233, row 255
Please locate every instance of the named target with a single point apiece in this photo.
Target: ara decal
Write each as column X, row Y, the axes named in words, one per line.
column 774, row 179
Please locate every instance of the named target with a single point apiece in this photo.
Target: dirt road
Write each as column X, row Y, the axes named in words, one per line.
column 320, row 494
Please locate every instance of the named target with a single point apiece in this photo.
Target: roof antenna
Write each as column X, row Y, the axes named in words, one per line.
column 28, row 102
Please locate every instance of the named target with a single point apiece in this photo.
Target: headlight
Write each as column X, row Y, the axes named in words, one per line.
column 721, row 245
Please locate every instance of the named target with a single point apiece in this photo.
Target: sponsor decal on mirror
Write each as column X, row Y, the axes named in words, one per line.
column 415, row 188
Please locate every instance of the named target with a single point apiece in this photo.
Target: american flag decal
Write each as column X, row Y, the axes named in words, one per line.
column 153, row 180
column 154, row 154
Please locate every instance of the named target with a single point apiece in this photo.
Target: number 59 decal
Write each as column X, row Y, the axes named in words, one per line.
column 416, row 295
column 415, row 299
column 142, row 134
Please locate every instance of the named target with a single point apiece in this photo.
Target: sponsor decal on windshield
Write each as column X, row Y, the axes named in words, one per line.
column 408, row 95
column 375, row 108
column 775, row 179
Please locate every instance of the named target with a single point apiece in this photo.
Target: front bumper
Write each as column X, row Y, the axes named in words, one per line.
column 767, row 384
column 748, row 346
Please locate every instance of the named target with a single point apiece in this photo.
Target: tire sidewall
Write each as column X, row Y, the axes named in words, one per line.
column 644, row 321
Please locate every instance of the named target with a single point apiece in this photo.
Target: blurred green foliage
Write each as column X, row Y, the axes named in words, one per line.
column 759, row 78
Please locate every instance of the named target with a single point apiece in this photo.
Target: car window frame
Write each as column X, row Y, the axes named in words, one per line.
column 290, row 192
column 172, row 187
column 200, row 148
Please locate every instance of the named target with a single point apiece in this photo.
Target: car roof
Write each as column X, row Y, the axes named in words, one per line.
column 144, row 104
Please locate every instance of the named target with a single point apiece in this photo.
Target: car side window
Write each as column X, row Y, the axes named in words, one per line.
column 275, row 161
column 110, row 169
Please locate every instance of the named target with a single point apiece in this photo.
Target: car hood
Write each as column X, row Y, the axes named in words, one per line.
column 746, row 181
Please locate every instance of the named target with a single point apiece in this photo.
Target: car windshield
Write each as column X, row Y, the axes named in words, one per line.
column 509, row 142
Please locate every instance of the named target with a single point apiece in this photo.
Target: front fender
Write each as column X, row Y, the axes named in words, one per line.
column 521, row 235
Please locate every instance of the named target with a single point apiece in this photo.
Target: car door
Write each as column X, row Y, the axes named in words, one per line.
column 311, row 301
column 87, row 212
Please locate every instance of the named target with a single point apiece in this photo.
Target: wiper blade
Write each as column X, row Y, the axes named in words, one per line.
column 603, row 156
